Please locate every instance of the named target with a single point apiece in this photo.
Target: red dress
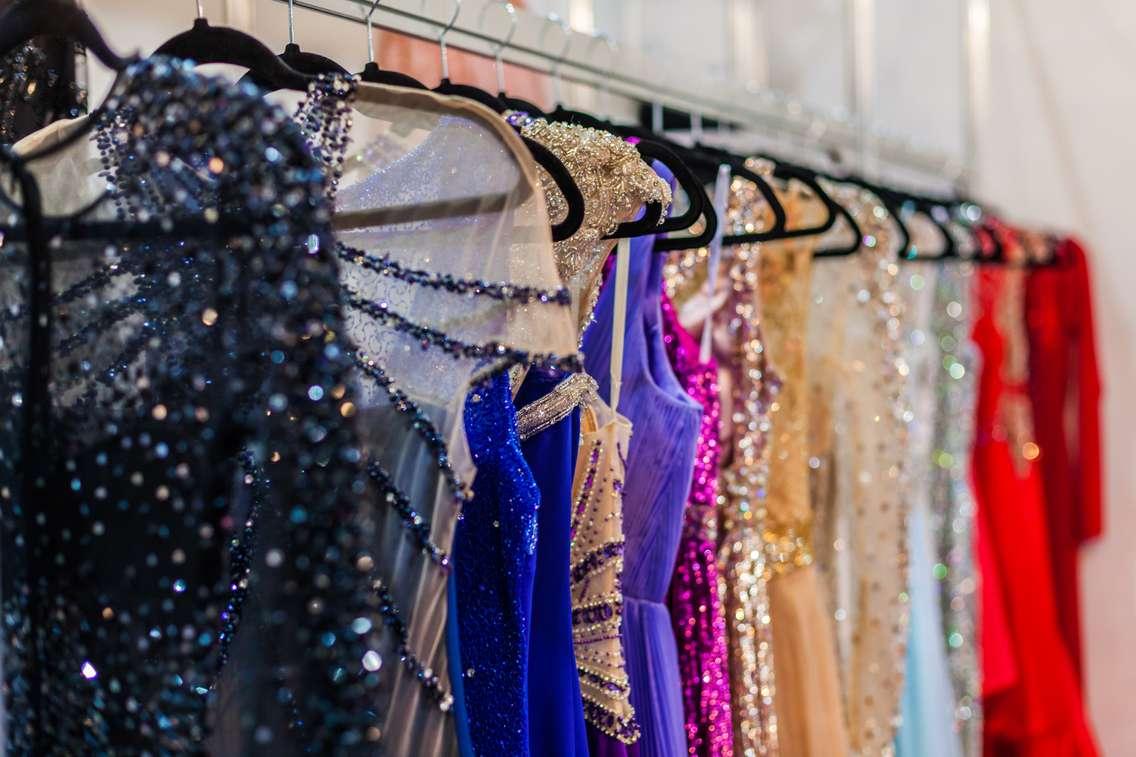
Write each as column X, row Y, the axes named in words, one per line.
column 1038, row 711
column 1065, row 390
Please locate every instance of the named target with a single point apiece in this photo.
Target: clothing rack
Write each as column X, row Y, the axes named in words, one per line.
column 632, row 75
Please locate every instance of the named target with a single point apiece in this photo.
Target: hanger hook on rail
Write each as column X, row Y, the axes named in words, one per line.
column 442, row 46
column 201, row 8
column 605, row 81
column 291, row 22
column 371, row 30
column 553, row 20
column 499, row 51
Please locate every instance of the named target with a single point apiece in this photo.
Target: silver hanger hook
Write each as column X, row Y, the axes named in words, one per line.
column 443, row 47
column 605, row 82
column 371, row 31
column 551, row 20
column 291, row 22
column 201, row 8
column 499, row 51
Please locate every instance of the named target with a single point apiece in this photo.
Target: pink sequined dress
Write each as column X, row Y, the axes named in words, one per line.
column 696, row 611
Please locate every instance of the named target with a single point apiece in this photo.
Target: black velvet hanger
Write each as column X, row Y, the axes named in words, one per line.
column 567, row 186
column 934, row 212
column 738, row 168
column 28, row 19
column 574, row 199
column 218, row 44
column 310, row 64
column 888, row 199
column 811, row 178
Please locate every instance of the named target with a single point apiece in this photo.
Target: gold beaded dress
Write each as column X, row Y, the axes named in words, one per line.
column 809, row 711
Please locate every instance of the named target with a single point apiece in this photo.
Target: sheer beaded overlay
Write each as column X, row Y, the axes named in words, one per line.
column 448, row 273
column 858, row 375
column 195, row 479
column 952, row 496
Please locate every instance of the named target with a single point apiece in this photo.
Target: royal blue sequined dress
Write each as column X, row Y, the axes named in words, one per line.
column 494, row 560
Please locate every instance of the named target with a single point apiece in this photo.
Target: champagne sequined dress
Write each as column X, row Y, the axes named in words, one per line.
column 748, row 386
column 659, row 467
column 858, row 447
column 597, row 571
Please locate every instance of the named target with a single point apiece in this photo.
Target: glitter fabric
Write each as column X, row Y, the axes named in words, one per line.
column 494, row 563
column 158, row 392
column 928, row 724
column 952, row 496
column 597, row 570
column 40, row 82
column 571, row 393
column 858, row 445
column 809, row 712
column 696, row 609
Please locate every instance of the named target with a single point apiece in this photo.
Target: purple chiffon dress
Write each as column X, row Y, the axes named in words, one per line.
column 660, row 462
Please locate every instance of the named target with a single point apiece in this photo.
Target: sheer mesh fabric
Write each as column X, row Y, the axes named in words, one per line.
column 449, row 275
column 858, row 478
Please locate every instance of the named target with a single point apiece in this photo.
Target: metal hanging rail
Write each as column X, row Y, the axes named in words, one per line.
column 636, row 78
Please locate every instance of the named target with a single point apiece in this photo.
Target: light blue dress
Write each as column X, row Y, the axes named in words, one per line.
column 928, row 704
column 928, row 728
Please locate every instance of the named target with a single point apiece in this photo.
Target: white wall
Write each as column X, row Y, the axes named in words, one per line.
column 1059, row 150
column 1056, row 149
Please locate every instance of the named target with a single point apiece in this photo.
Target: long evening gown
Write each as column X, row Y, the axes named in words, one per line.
column 696, row 607
column 807, row 700
column 858, row 448
column 555, row 708
column 952, row 496
column 659, row 467
column 152, row 380
column 1041, row 712
column 927, row 728
column 494, row 563
column 1065, row 384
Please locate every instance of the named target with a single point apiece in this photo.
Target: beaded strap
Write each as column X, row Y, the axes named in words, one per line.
column 569, row 394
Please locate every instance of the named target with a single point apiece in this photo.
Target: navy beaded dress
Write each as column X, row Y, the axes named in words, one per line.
column 174, row 402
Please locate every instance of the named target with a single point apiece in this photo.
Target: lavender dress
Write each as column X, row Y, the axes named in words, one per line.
column 659, row 466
